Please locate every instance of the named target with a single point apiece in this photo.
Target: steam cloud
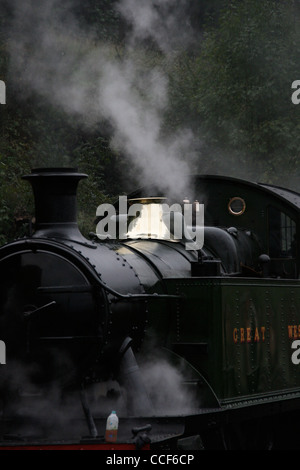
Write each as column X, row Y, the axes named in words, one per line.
column 167, row 25
column 165, row 385
column 54, row 56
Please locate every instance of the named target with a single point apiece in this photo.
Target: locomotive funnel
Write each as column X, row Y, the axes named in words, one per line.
column 54, row 192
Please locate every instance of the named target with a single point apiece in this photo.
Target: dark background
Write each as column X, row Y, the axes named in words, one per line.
column 230, row 83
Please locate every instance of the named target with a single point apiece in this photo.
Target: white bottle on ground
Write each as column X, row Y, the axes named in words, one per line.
column 112, row 424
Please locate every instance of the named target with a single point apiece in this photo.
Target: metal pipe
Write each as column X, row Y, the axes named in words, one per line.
column 138, row 401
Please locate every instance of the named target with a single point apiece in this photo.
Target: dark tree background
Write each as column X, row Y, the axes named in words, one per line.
column 231, row 86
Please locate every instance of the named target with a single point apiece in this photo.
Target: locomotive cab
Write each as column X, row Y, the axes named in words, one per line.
column 252, row 228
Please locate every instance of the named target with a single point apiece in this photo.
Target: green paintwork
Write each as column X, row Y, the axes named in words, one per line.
column 215, row 313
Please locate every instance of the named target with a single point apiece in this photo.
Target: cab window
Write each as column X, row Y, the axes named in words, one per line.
column 282, row 234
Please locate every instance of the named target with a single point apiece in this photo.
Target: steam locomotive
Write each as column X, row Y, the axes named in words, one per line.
column 194, row 349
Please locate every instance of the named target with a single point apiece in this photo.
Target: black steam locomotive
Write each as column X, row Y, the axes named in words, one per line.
column 195, row 349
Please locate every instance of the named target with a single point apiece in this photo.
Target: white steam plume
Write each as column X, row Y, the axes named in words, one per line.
column 165, row 22
column 51, row 54
column 168, row 392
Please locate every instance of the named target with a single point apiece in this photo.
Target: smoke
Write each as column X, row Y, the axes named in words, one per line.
column 47, row 409
column 35, row 411
column 54, row 56
column 166, row 23
column 172, row 390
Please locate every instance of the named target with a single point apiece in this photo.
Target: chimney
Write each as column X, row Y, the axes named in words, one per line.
column 54, row 192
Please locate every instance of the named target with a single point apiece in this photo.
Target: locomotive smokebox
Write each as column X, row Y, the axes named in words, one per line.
column 54, row 192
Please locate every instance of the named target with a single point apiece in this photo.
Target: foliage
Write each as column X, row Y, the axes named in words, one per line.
column 236, row 90
column 232, row 88
column 35, row 135
column 102, row 17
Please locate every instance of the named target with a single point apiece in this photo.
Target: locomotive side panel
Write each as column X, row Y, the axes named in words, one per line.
column 260, row 322
column 196, row 332
column 238, row 335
